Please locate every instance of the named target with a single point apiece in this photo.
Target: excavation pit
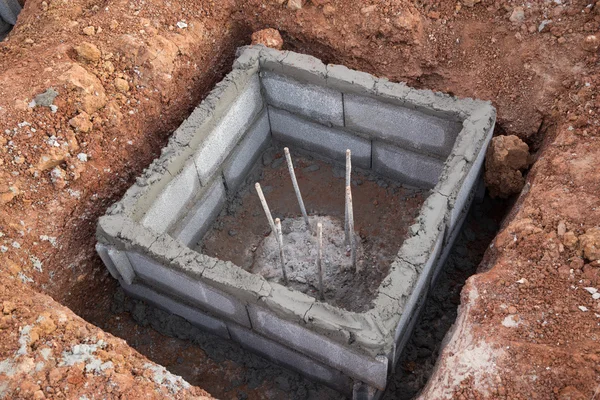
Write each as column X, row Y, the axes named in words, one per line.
column 164, row 241
column 383, row 211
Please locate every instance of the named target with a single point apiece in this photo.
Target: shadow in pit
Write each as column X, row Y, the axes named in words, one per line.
column 226, row 370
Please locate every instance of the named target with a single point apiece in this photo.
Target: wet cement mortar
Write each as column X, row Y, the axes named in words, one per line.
column 414, row 368
column 383, row 211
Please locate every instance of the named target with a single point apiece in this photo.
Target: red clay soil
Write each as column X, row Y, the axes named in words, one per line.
column 143, row 67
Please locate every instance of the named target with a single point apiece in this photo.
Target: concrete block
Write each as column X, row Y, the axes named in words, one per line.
column 214, row 149
column 406, row 166
column 449, row 239
column 171, row 202
column 329, row 142
column 190, row 290
column 326, row 351
column 102, row 251
column 122, row 264
column 347, row 80
column 301, row 67
column 393, row 292
column 409, row 327
column 245, row 154
column 192, row 315
column 362, row 391
column 419, row 293
column 468, row 185
column 315, row 102
column 202, row 214
column 289, row 304
column 230, row 278
column 291, row 359
column 400, row 125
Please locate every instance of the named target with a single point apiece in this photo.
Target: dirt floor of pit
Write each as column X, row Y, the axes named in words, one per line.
column 383, row 211
column 538, row 64
column 227, row 371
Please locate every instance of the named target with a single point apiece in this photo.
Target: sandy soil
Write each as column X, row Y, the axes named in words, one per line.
column 125, row 85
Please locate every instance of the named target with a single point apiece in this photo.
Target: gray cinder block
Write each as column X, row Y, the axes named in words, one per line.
column 243, row 157
column 122, row 264
column 194, row 316
column 290, row 358
column 198, row 220
column 468, row 185
column 406, row 166
column 311, row 136
column 213, row 150
column 316, row 102
column 188, row 289
column 399, row 125
column 172, row 200
column 310, row 343
column 102, row 251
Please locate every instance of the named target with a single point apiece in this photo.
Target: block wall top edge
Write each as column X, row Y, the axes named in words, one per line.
column 180, row 146
column 476, row 132
column 310, row 69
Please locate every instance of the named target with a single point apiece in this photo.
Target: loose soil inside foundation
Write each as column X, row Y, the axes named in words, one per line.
column 383, row 211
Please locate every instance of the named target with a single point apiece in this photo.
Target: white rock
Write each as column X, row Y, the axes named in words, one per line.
column 182, row 25
column 592, row 290
column 582, row 308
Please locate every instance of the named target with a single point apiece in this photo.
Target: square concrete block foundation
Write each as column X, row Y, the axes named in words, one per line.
column 416, row 137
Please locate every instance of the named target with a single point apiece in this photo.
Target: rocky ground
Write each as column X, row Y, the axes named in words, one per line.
column 89, row 92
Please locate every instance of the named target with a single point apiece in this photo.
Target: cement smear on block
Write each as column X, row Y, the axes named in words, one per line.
column 383, row 211
column 300, row 254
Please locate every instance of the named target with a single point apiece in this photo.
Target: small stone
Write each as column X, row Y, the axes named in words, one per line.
column 328, row 10
column 267, row 158
column 591, row 43
column 29, row 41
column 113, row 24
column 121, row 85
column 268, row 37
column 81, row 122
column 58, row 177
column 294, row 4
column 518, row 15
column 181, row 25
column 570, row 240
column 543, row 24
column 8, row 307
column 277, row 163
column 45, row 99
column 8, row 193
column 311, row 168
column 88, row 52
column 368, row 9
column 583, row 308
column 590, row 244
column 561, row 229
column 470, row 3
column 108, row 67
column 232, row 232
column 512, row 310
column 89, row 30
